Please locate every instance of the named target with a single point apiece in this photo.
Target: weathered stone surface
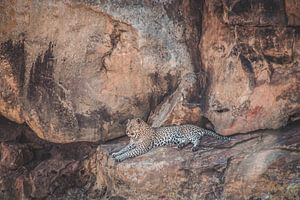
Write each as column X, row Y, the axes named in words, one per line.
column 255, row 13
column 53, row 176
column 264, row 164
column 181, row 106
column 261, row 165
column 12, row 62
column 76, row 70
column 252, row 167
column 254, row 71
column 76, row 78
column 34, row 169
column 292, row 8
column 14, row 155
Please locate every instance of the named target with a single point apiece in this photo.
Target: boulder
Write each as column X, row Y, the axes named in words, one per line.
column 252, row 58
column 262, row 165
column 77, row 70
column 53, row 176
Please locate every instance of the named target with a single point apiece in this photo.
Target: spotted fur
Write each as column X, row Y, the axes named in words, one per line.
column 143, row 138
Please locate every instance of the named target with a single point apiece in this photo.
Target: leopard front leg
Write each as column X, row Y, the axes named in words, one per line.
column 132, row 153
column 129, row 147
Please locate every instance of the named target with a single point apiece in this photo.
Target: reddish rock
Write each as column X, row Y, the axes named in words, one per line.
column 53, row 177
column 264, row 164
column 74, row 78
column 180, row 107
column 14, row 156
column 253, row 71
column 292, row 8
column 254, row 13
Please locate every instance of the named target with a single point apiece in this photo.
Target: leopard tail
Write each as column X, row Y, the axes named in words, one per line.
column 216, row 135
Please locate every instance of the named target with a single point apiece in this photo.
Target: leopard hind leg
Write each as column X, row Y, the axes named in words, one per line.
column 196, row 143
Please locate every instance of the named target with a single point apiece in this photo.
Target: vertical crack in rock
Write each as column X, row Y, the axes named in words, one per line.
column 192, row 40
column 195, row 18
column 193, row 33
column 157, row 99
column 188, row 14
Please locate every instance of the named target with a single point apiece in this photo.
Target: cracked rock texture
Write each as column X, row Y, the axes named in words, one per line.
column 76, row 70
column 73, row 71
column 250, row 49
column 261, row 165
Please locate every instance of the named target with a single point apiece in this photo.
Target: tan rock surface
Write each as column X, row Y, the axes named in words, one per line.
column 179, row 108
column 76, row 71
column 254, row 70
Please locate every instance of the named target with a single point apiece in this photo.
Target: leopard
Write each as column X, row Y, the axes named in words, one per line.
column 144, row 138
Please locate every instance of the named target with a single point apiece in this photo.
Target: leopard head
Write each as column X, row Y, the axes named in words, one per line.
column 137, row 128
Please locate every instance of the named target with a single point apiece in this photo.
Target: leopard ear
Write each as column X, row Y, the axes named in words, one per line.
column 138, row 120
column 127, row 122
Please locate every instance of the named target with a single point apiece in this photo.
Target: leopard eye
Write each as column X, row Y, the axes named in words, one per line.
column 138, row 120
column 131, row 134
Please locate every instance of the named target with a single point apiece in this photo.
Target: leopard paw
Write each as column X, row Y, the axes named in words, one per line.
column 194, row 149
column 118, row 159
column 180, row 146
column 114, row 155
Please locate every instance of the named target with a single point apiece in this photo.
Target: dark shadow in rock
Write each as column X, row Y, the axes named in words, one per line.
column 14, row 52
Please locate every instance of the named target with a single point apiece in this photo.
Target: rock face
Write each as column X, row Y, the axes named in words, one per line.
column 253, row 167
column 251, row 53
column 77, row 70
column 74, row 71
column 261, row 165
